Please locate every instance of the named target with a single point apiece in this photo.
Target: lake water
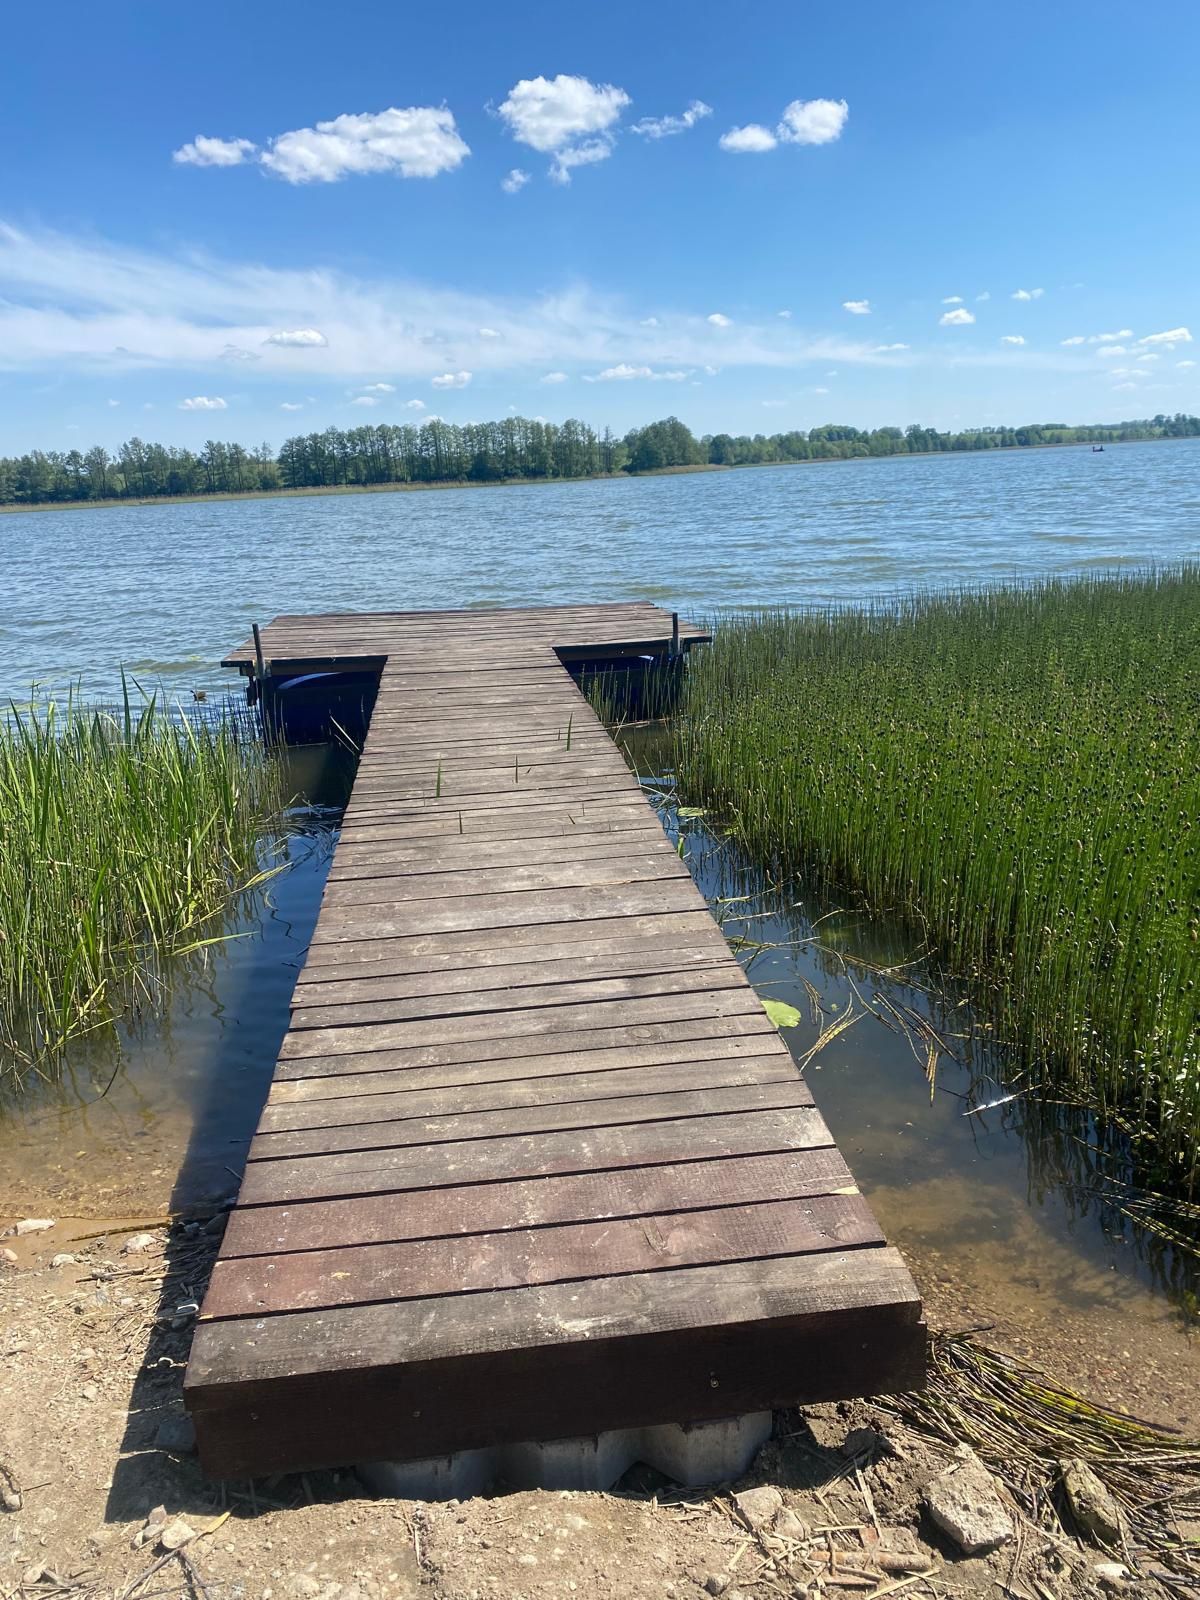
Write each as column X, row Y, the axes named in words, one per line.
column 166, row 590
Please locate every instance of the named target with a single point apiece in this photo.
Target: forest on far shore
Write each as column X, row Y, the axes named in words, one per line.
column 496, row 452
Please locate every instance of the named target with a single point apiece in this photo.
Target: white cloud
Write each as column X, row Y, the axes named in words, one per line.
column 451, row 380
column 820, row 391
column 953, row 300
column 664, row 127
column 623, row 372
column 1111, row 338
column 1076, row 338
column 720, row 320
column 234, row 352
column 1181, row 364
column 205, row 152
column 579, row 155
column 1149, row 355
column 1172, row 336
column 958, row 318
column 857, row 308
column 568, row 118
column 750, row 140
column 812, row 121
column 1028, row 294
column 1112, row 350
column 298, row 339
column 1012, row 338
column 417, row 142
column 364, row 400
column 554, row 377
column 203, row 402
column 712, row 371
column 885, row 349
column 786, row 315
column 514, row 181
column 489, row 333
column 649, row 322
column 291, row 405
column 414, row 405
column 986, row 295
column 379, row 388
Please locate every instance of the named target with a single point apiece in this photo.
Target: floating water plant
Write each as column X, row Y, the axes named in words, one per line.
column 123, row 832
column 1017, row 770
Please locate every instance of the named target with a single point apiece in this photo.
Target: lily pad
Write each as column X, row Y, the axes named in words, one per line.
column 687, row 813
column 781, row 1014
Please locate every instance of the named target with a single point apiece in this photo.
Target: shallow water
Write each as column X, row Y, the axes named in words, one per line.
column 167, row 590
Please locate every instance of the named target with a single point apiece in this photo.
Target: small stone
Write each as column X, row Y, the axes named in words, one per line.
column 176, row 1534
column 1112, row 1572
column 305, row 1586
column 62, row 1259
column 789, row 1526
column 860, row 1442
column 176, row 1435
column 33, row 1225
column 964, row 1503
column 716, row 1583
column 136, row 1243
column 1095, row 1511
column 9, row 1256
column 11, row 1500
column 759, row 1506
column 33, row 1574
column 90, row 1391
column 151, row 1528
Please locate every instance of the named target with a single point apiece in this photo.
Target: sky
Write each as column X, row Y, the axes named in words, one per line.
column 245, row 221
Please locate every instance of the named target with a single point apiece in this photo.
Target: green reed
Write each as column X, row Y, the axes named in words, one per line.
column 122, row 834
column 1018, row 770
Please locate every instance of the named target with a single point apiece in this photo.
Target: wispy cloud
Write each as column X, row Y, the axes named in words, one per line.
column 857, row 308
column 623, row 373
column 298, row 339
column 886, row 349
column 554, row 377
column 667, row 127
column 379, row 388
column 451, row 380
column 292, row 405
column 1172, row 336
column 1028, row 294
column 953, row 300
column 204, row 402
column 514, row 181
column 1012, row 338
column 720, row 320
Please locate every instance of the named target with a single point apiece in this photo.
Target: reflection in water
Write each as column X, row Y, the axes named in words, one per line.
column 156, row 1116
column 1013, row 1211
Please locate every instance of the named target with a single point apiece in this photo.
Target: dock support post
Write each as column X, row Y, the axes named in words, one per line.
column 260, row 666
column 674, row 634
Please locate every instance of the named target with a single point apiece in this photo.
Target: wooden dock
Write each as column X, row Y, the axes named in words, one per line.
column 534, row 1162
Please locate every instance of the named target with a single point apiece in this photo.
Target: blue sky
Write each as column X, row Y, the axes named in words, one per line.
column 242, row 221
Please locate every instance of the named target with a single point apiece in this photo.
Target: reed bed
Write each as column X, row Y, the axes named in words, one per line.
column 1017, row 770
column 123, row 832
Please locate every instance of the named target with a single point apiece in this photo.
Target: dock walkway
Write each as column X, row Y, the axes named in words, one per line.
column 534, row 1162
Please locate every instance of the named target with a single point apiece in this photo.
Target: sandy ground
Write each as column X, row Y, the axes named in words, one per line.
column 93, row 1439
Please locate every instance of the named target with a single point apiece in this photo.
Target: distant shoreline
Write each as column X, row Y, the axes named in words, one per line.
column 318, row 490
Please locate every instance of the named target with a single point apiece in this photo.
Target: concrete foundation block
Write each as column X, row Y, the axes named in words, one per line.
column 690, row 1453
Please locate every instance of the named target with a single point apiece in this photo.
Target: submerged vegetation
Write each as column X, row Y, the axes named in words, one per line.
column 1017, row 771
column 516, row 449
column 124, row 832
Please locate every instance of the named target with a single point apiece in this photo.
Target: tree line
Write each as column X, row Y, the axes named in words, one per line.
column 496, row 452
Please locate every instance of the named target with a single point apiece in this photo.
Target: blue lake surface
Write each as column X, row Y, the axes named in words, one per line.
column 165, row 590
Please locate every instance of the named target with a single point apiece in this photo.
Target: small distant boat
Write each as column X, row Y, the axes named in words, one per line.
column 1097, row 449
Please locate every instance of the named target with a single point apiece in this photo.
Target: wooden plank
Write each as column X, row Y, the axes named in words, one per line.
column 572, row 1252
column 536, row 1203
column 753, row 1025
column 565, row 991
column 404, row 1129
column 650, row 868
column 554, row 1022
column 382, row 1103
column 531, row 1155
column 736, row 1054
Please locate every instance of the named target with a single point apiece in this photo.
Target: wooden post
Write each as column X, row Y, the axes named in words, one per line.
column 259, row 664
column 674, row 633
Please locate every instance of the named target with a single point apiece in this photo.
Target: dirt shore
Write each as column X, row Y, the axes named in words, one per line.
column 94, row 1335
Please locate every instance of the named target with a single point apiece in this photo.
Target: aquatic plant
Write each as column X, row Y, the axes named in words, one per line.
column 123, row 832
column 1017, row 770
